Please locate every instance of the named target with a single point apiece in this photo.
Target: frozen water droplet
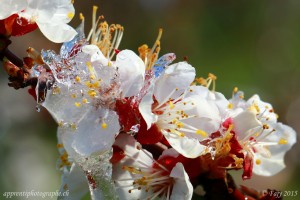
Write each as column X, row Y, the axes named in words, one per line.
column 161, row 64
column 38, row 108
column 135, row 128
column 69, row 49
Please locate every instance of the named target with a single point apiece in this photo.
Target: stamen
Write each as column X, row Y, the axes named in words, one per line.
column 81, row 17
column 149, row 56
column 161, row 166
column 165, row 100
column 282, row 141
column 104, row 125
column 84, row 100
column 258, row 161
column 207, row 82
column 77, row 79
column 77, row 104
column 91, row 70
column 201, row 132
column 106, row 37
column 235, row 89
column 70, row 15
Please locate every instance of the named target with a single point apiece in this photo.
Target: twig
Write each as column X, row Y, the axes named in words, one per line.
column 13, row 58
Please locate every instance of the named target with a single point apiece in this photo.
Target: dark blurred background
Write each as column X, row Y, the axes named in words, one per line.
column 253, row 45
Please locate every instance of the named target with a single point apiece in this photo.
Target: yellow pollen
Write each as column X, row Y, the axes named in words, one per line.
column 65, row 186
column 77, row 79
column 95, row 8
column 73, row 126
column 73, row 96
column 91, row 70
column 81, row 17
column 64, row 159
column 241, row 96
column 174, row 121
column 253, row 109
column 109, row 64
column 70, row 15
column 92, row 93
column 237, row 161
column 179, row 125
column 132, row 170
column 201, row 81
column 60, row 123
column 201, row 132
column 104, row 125
column 230, row 106
column 258, row 161
column 96, row 84
column 92, row 77
column 88, row 84
column 55, row 90
column 212, row 76
column 282, row 141
column 84, row 100
column 88, row 64
column 59, row 145
column 171, row 105
column 235, row 89
column 265, row 126
column 256, row 107
column 77, row 104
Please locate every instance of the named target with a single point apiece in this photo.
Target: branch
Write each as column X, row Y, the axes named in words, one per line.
column 12, row 58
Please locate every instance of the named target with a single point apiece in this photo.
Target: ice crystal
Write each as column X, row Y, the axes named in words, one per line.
column 99, row 173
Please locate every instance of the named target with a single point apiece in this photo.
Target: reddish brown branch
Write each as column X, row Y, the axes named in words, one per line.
column 12, row 58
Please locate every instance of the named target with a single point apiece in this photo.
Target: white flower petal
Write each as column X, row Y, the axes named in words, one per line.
column 9, row 7
column 58, row 33
column 179, row 75
column 138, row 158
column 64, row 11
column 244, row 122
column 74, row 183
column 129, row 145
column 188, row 147
column 182, row 188
column 265, row 110
column 169, row 152
column 43, row 10
column 213, row 97
column 90, row 137
column 132, row 72
column 95, row 53
column 268, row 166
column 145, row 107
column 61, row 106
column 55, row 11
column 207, row 116
column 284, row 137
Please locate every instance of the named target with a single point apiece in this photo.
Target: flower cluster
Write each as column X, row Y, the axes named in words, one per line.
column 140, row 126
